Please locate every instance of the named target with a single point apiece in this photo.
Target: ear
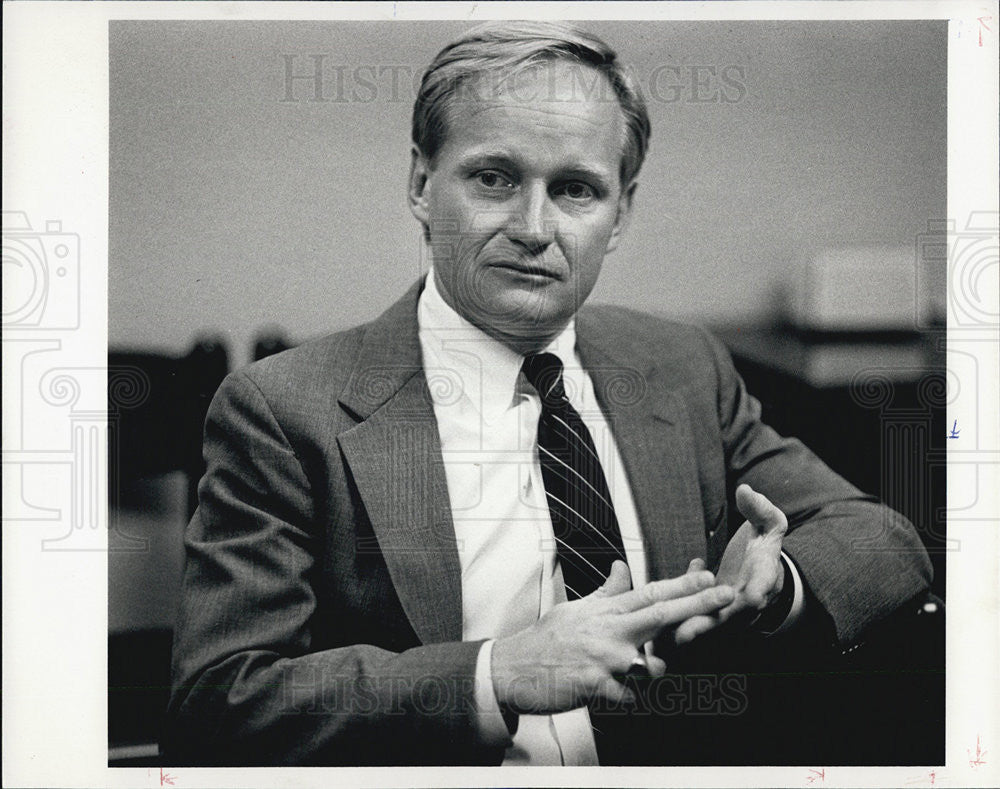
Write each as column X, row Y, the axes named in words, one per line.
column 624, row 214
column 418, row 187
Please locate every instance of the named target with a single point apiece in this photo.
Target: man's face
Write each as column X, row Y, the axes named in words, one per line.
column 523, row 200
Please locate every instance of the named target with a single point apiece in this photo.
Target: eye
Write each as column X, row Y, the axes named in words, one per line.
column 493, row 180
column 577, row 191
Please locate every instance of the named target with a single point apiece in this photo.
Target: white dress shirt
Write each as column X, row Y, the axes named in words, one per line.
column 487, row 417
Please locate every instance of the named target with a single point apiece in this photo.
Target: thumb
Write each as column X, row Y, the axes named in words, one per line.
column 758, row 509
column 619, row 580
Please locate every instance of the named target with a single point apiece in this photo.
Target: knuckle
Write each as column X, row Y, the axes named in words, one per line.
column 657, row 667
column 666, row 609
column 593, row 677
column 609, row 689
column 716, row 596
column 692, row 582
column 708, row 595
column 660, row 612
column 619, row 608
column 649, row 593
column 623, row 659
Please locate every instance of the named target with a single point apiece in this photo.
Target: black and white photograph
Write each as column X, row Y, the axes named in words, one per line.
column 525, row 390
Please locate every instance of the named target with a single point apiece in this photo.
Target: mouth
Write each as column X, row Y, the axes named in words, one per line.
column 532, row 269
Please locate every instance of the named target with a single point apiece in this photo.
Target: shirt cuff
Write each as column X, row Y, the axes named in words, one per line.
column 491, row 727
column 798, row 597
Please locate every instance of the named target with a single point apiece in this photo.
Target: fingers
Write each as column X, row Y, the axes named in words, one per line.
column 696, row 626
column 657, row 668
column 759, row 510
column 749, row 601
column 619, row 580
column 668, row 589
column 644, row 624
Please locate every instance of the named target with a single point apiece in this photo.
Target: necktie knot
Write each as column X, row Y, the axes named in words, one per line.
column 544, row 372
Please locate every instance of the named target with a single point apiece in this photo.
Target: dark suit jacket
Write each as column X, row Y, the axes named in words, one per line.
column 321, row 619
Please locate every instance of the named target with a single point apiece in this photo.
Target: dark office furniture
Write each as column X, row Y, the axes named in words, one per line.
column 156, row 407
column 270, row 341
column 873, row 408
column 156, row 412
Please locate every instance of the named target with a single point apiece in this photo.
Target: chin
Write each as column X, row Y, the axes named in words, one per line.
column 519, row 313
column 529, row 321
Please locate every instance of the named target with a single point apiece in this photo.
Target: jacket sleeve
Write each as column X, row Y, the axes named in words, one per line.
column 859, row 559
column 247, row 687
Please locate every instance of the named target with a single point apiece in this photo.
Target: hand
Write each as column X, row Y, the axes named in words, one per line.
column 569, row 656
column 751, row 565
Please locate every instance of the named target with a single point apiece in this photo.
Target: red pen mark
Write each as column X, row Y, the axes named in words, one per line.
column 166, row 778
column 817, row 775
column 982, row 24
column 980, row 753
column 931, row 776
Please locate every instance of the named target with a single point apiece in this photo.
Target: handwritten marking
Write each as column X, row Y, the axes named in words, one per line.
column 954, row 430
column 932, row 776
column 817, row 775
column 982, row 24
column 166, row 778
column 979, row 761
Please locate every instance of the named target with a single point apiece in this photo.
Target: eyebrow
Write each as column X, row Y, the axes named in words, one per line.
column 489, row 159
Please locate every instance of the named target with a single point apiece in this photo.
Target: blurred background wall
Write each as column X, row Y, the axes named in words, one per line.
column 238, row 201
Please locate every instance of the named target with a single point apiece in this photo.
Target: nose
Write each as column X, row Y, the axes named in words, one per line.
column 533, row 223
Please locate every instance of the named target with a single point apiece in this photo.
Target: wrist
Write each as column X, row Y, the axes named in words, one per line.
column 493, row 727
column 502, row 682
column 772, row 617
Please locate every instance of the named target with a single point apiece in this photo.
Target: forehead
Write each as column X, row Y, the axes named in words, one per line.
column 549, row 103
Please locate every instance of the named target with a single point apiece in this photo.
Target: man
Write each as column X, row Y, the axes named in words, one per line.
column 452, row 535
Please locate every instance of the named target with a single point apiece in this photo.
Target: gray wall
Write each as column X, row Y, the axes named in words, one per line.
column 232, row 209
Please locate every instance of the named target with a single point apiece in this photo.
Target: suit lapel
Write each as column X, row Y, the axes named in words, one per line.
column 654, row 436
column 394, row 454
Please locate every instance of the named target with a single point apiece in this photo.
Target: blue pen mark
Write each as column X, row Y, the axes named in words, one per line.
column 954, row 430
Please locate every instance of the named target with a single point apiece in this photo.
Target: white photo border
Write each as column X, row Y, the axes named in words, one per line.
column 55, row 158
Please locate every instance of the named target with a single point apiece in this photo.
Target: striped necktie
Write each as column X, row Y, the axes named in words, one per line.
column 586, row 530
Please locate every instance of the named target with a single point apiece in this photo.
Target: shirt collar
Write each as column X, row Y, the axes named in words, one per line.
column 462, row 360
